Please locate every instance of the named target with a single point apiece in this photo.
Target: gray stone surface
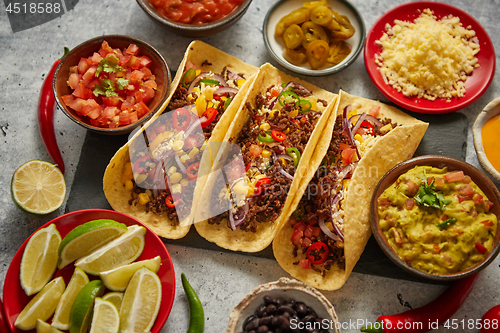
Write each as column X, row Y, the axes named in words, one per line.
column 221, row 279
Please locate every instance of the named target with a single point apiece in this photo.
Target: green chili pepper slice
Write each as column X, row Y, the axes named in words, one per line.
column 188, row 77
column 227, row 102
column 196, row 313
column 447, row 223
column 288, row 96
column 210, row 81
column 294, row 153
column 266, row 138
column 305, row 106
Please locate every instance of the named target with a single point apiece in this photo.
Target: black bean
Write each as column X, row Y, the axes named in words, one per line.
column 261, row 311
column 268, row 300
column 311, row 311
column 301, row 309
column 253, row 325
column 279, row 301
column 308, row 318
column 286, row 315
column 266, row 320
column 285, row 325
column 252, row 331
column 285, row 308
column 263, row 329
column 277, row 321
column 247, row 321
column 270, row 309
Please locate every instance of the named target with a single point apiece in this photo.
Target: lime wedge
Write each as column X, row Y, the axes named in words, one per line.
column 115, row 298
column 105, row 318
column 39, row 260
column 41, row 306
column 81, row 311
column 141, row 302
column 43, row 327
column 88, row 237
column 38, row 187
column 121, row 251
column 117, row 279
column 61, row 317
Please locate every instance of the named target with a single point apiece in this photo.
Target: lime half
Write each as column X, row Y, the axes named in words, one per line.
column 38, row 187
column 88, row 237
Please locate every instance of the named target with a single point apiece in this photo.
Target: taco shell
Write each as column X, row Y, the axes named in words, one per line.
column 389, row 150
column 239, row 240
column 209, row 59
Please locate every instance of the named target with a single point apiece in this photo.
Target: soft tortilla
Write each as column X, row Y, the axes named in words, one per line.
column 239, row 240
column 393, row 148
column 208, row 59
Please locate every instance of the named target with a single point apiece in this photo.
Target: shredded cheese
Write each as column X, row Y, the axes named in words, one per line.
column 428, row 58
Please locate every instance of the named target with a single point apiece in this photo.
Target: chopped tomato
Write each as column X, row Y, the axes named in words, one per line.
column 148, row 94
column 317, row 253
column 466, row 180
column 83, row 65
column 306, row 242
column 255, row 150
column 309, row 231
column 190, row 142
column 304, row 263
column 141, row 108
column 275, row 91
column 132, row 49
column 477, row 198
column 344, row 146
column 278, row 135
column 348, row 155
column 454, row 176
column 465, row 190
column 73, row 80
column 480, row 248
column 192, row 170
column 487, row 205
column 145, row 61
column 462, row 198
column 487, row 223
column 67, row 99
column 409, row 203
column 439, row 183
column 412, row 187
column 210, row 114
column 374, row 111
column 296, row 238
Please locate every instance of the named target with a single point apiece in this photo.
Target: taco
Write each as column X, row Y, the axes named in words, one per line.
column 266, row 153
column 327, row 225
column 154, row 177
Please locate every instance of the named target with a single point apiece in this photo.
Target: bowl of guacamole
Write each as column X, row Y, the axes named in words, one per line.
column 437, row 217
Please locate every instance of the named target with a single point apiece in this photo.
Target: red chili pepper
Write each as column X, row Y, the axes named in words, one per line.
column 259, row 185
column 437, row 311
column 192, row 170
column 368, row 126
column 210, row 114
column 322, row 254
column 46, row 103
column 138, row 168
column 490, row 322
column 169, row 201
column 481, row 248
column 181, row 119
column 278, row 135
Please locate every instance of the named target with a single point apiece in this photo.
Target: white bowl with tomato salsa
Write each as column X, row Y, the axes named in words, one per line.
column 111, row 84
column 195, row 18
column 460, row 176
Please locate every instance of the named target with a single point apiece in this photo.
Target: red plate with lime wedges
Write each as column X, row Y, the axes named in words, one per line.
column 15, row 298
column 475, row 85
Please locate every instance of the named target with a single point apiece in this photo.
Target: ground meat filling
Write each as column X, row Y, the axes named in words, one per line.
column 267, row 206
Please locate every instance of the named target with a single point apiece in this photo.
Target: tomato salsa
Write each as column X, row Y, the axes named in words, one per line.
column 112, row 87
column 195, row 11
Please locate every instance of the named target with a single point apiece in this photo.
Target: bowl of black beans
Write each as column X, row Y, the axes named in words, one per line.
column 286, row 305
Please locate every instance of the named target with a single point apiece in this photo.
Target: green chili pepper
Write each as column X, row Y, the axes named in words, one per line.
column 188, row 77
column 447, row 223
column 288, row 96
column 294, row 153
column 227, row 102
column 210, row 81
column 267, row 138
column 304, row 105
column 196, row 314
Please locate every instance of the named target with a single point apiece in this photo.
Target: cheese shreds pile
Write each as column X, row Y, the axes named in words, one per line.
column 428, row 58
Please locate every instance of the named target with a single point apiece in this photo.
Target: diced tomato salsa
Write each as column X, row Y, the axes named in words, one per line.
column 112, row 87
column 195, row 12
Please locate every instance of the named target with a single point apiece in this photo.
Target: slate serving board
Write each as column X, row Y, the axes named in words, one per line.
column 446, row 135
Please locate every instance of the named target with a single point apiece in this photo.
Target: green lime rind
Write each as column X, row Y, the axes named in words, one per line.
column 81, row 311
column 83, row 229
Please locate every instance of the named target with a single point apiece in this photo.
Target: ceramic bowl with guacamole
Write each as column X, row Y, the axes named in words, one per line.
column 437, row 217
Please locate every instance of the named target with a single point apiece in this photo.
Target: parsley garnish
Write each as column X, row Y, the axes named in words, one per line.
column 109, row 65
column 107, row 88
column 428, row 196
column 447, row 223
column 121, row 83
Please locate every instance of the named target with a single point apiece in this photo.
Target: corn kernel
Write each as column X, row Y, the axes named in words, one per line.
column 287, row 130
column 346, row 183
column 140, row 178
column 184, row 182
column 250, row 192
column 203, row 146
column 386, row 128
column 171, row 171
column 240, row 82
column 129, row 185
column 197, row 90
column 198, row 72
column 175, row 177
column 193, row 152
column 128, row 173
column 359, row 138
column 265, row 126
column 177, row 188
column 240, row 188
column 184, row 158
column 294, row 113
column 144, row 198
column 178, row 145
column 266, row 153
column 209, row 93
column 201, row 105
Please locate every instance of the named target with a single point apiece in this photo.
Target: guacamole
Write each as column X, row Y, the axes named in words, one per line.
column 437, row 221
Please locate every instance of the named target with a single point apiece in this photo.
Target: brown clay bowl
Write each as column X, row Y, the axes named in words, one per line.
column 158, row 66
column 453, row 164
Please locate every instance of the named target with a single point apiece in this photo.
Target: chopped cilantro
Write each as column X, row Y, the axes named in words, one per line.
column 121, row 83
column 428, row 196
column 109, row 65
column 447, row 223
column 107, row 88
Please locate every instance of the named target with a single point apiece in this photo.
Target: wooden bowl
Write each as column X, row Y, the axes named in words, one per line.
column 158, row 67
column 453, row 164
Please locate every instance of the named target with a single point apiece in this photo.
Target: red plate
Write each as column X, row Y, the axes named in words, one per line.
column 475, row 85
column 15, row 299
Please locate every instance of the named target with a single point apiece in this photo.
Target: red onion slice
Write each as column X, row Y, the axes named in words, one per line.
column 326, row 231
column 285, row 156
column 335, row 215
column 181, row 166
column 286, row 174
column 237, row 218
column 206, row 75
column 233, row 76
column 347, row 128
column 226, row 90
column 194, row 124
